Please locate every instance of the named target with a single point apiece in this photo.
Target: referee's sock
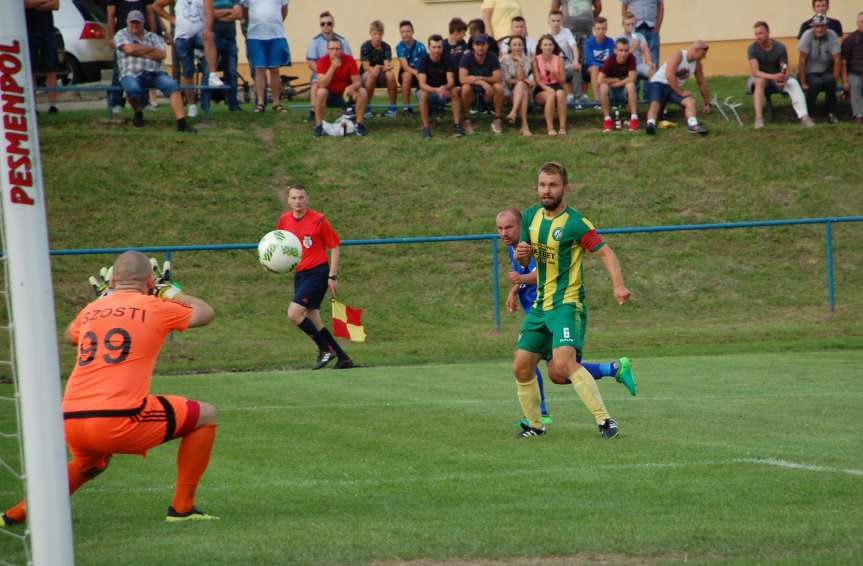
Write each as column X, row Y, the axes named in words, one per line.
column 307, row 326
column 331, row 342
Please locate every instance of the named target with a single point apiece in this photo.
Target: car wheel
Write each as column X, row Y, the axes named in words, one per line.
column 71, row 71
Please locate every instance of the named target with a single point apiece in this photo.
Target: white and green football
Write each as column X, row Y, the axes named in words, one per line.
column 280, row 251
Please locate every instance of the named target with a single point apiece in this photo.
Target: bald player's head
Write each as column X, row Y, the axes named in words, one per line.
column 131, row 269
column 699, row 50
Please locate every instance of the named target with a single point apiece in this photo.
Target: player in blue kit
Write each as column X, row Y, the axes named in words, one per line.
column 523, row 292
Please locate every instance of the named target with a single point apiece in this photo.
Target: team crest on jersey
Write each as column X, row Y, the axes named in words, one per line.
column 557, row 234
column 307, row 242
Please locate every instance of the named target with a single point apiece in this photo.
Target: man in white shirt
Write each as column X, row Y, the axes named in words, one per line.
column 568, row 49
column 267, row 47
column 193, row 28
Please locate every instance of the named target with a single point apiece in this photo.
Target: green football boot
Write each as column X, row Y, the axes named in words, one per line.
column 625, row 376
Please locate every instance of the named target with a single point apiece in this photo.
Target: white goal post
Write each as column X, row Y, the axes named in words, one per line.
column 29, row 283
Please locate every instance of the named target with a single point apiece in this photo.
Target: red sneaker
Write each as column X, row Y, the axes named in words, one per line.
column 607, row 125
column 633, row 125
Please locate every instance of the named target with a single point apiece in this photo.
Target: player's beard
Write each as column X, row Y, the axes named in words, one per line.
column 553, row 204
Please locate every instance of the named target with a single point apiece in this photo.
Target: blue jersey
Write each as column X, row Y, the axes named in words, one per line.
column 526, row 293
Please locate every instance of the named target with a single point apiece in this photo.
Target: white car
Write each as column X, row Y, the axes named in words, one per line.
column 83, row 25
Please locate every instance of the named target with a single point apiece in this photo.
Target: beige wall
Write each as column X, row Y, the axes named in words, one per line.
column 726, row 23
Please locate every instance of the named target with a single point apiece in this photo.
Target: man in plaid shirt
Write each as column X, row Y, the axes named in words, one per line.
column 139, row 58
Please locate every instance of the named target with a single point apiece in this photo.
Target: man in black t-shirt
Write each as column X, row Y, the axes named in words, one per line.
column 437, row 85
column 44, row 47
column 376, row 57
column 480, row 74
column 118, row 11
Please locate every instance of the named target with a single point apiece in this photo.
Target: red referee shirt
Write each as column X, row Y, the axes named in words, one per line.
column 315, row 234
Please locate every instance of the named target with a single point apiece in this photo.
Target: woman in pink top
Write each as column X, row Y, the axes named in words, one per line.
column 549, row 74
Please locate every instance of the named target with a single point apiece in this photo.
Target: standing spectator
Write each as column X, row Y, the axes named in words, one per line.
column 267, row 47
column 193, row 29
column 820, row 65
column 318, row 49
column 139, row 57
column 617, row 85
column 638, row 46
column 376, row 57
column 768, row 65
column 315, row 273
column 852, row 69
column 649, row 15
column 436, row 80
column 476, row 27
column 338, row 75
column 44, row 48
column 497, row 16
column 518, row 82
column 118, row 12
column 453, row 48
column 410, row 53
column 820, row 8
column 518, row 29
column 597, row 49
column 480, row 75
column 549, row 75
column 578, row 16
column 568, row 50
column 667, row 86
column 226, row 14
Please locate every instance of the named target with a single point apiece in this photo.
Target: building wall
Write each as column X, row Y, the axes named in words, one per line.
column 727, row 24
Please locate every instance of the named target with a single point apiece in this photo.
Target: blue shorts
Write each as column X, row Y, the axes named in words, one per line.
column 268, row 53
column 617, row 95
column 186, row 53
column 310, row 286
column 136, row 85
column 435, row 100
column 662, row 93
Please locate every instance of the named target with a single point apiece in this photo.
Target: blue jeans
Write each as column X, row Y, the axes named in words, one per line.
column 652, row 38
column 116, row 97
column 226, row 51
column 136, row 86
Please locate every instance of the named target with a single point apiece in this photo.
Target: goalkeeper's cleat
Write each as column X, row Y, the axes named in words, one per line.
column 194, row 515
column 608, row 429
column 324, row 357
column 528, row 431
column 625, row 376
column 344, row 363
column 8, row 521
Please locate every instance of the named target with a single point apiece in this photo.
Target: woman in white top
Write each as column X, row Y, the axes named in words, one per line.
column 517, row 82
column 550, row 76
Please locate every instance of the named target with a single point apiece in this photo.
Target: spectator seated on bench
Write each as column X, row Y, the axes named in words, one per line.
column 139, row 56
column 338, row 75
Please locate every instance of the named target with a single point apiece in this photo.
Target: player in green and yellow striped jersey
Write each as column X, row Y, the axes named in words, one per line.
column 557, row 237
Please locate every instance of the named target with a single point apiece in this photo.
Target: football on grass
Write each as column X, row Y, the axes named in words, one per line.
column 280, row 251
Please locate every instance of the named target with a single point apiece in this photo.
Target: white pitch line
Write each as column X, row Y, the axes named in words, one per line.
column 484, row 477
column 798, row 466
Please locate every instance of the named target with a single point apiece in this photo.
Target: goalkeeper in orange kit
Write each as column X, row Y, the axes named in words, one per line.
column 107, row 406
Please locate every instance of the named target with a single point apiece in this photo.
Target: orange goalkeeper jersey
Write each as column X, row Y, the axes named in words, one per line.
column 119, row 338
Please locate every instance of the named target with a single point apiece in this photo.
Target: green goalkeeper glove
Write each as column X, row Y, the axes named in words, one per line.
column 102, row 284
column 164, row 288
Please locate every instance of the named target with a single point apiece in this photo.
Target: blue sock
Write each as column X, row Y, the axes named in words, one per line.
column 542, row 406
column 598, row 371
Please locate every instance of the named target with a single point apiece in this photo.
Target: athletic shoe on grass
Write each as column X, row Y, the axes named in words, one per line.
column 608, row 429
column 625, row 376
column 193, row 515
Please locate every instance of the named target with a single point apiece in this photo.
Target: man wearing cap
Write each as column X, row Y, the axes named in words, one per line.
column 480, row 71
column 820, row 7
column 820, row 65
column 139, row 58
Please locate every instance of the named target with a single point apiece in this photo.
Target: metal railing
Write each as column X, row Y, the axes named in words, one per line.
column 493, row 238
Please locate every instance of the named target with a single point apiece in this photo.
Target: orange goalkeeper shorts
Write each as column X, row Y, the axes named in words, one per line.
column 160, row 418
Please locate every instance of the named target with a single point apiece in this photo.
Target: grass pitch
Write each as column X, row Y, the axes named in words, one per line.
column 739, row 458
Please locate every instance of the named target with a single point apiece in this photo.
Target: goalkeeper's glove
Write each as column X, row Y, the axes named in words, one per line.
column 164, row 287
column 102, row 283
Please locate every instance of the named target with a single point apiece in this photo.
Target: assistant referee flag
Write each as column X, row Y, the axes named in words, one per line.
column 348, row 322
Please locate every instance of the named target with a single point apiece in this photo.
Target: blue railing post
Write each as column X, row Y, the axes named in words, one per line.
column 495, row 281
column 831, row 280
